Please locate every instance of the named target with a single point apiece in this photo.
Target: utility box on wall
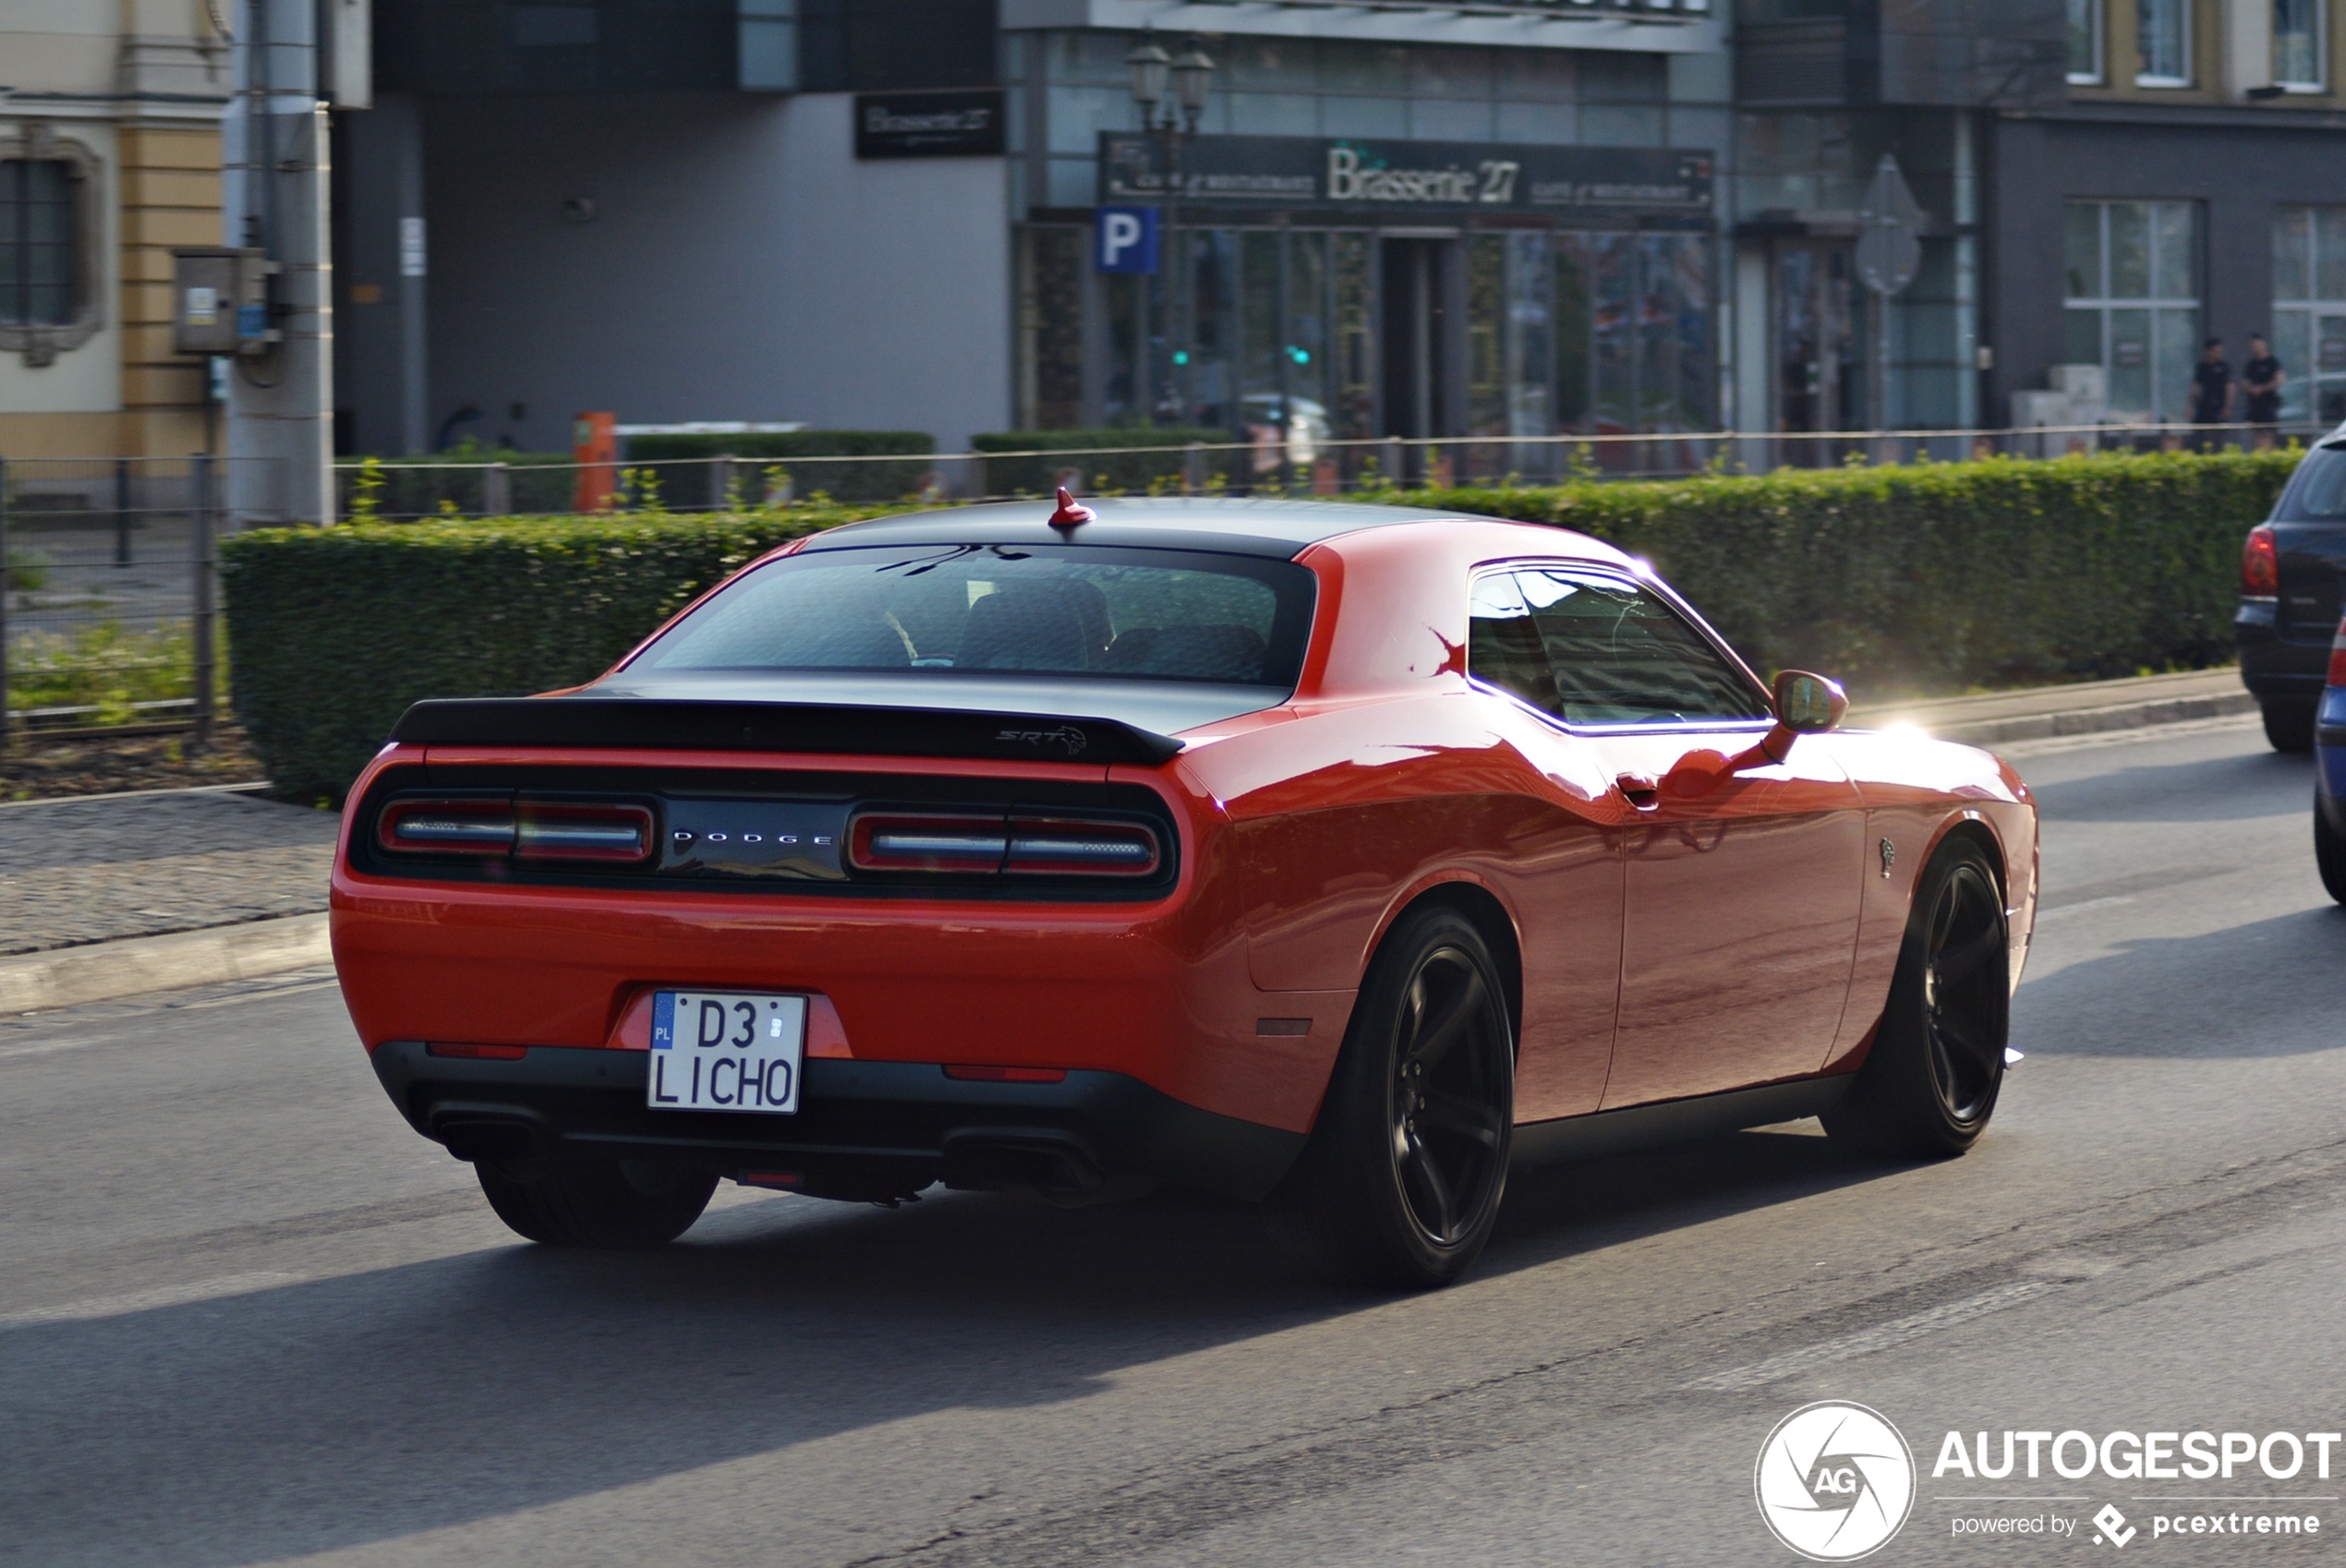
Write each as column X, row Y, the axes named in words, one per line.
column 220, row 301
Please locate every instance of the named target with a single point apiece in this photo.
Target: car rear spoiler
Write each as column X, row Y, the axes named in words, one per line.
column 667, row 724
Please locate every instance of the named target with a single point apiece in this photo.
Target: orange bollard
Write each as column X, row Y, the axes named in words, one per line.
column 595, row 446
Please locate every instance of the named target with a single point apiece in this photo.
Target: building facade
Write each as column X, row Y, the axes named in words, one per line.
column 1411, row 222
column 1501, row 220
column 2191, row 184
column 109, row 158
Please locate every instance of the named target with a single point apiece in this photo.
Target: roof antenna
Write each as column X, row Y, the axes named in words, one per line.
column 1070, row 512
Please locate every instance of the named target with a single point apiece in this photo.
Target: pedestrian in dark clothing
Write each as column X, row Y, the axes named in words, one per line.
column 2211, row 392
column 2260, row 382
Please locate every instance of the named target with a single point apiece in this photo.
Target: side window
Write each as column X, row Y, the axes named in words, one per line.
column 1621, row 656
column 1502, row 646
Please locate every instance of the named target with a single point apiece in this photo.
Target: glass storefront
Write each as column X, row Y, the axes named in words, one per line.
column 2309, row 312
column 2133, row 304
column 1370, row 241
column 1350, row 334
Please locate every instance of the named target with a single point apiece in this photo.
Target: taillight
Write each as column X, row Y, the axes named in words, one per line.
column 543, row 831
column 886, row 841
column 970, row 844
column 447, row 828
column 2260, row 564
column 1077, row 847
column 2338, row 657
column 528, row 830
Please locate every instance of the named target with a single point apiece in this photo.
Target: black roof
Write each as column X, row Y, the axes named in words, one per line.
column 1279, row 529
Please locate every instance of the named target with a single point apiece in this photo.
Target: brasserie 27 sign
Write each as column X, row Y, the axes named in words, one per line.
column 1365, row 177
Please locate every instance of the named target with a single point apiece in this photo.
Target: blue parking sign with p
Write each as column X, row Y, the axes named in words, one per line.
column 1124, row 239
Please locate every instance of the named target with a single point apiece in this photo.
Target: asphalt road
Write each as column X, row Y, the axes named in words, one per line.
column 247, row 1316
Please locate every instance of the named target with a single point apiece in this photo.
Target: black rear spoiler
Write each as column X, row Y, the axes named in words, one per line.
column 649, row 723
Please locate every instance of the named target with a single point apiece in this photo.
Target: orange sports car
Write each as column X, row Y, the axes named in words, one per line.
column 1333, row 854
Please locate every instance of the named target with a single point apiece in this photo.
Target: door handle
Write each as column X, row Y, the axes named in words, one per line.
column 1641, row 789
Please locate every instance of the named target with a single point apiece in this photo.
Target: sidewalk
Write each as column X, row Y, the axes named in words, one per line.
column 2000, row 717
column 107, row 896
column 116, row 895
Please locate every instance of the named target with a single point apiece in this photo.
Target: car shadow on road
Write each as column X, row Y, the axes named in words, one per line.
column 2221, row 788
column 387, row 1402
column 2261, row 989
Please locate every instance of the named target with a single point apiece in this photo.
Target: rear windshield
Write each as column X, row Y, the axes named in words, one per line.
column 2317, row 491
column 938, row 610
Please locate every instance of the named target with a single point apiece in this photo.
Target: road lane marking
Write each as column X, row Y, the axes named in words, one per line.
column 1881, row 1336
column 2066, row 910
column 148, row 1300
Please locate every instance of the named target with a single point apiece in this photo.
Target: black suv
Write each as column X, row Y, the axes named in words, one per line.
column 2290, row 575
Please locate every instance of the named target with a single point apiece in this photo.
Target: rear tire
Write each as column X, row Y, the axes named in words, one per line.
column 2288, row 726
column 1931, row 1083
column 2330, row 855
column 1401, row 1181
column 610, row 1205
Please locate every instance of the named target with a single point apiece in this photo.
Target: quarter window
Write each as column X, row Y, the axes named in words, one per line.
column 1502, row 646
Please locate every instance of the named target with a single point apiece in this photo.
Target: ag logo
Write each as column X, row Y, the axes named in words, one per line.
column 1834, row 1481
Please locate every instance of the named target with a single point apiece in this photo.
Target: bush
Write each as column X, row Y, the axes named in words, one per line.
column 1134, row 472
column 681, row 462
column 337, row 630
column 1941, row 577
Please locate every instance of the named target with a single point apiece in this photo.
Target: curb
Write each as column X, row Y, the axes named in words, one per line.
column 101, row 971
column 2094, row 720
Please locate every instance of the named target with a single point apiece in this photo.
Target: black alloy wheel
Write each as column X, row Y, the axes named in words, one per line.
column 1401, row 1182
column 1964, row 995
column 1930, row 1082
column 607, row 1205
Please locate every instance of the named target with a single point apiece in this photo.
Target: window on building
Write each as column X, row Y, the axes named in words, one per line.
column 2297, row 44
column 2163, row 33
column 2084, row 42
column 2309, row 312
column 2132, row 301
column 40, row 241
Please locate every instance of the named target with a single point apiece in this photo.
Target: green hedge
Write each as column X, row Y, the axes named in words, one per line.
column 1125, row 471
column 1941, row 577
column 337, row 630
column 679, row 462
column 1908, row 580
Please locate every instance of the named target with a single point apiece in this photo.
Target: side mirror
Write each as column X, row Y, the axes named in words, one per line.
column 1805, row 705
column 1810, row 704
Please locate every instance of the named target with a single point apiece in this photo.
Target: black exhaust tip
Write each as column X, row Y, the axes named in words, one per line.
column 495, row 1139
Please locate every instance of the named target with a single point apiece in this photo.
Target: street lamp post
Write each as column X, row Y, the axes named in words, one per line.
column 1192, row 76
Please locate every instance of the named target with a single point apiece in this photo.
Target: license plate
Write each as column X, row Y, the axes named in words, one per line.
column 726, row 1050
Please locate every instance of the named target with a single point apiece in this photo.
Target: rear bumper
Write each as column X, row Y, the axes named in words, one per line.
column 863, row 1129
column 2277, row 665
